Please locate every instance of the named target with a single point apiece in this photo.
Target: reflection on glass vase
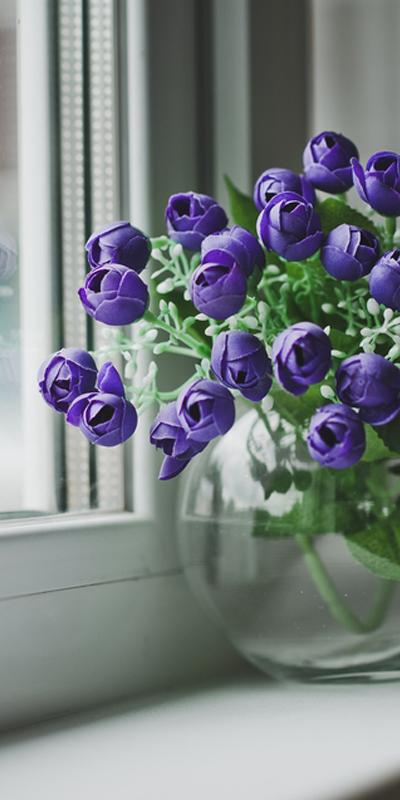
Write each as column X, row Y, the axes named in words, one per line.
column 289, row 558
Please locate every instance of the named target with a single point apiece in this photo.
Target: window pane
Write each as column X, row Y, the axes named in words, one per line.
column 10, row 385
column 59, row 180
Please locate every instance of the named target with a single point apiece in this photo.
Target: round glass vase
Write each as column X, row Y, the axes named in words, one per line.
column 288, row 557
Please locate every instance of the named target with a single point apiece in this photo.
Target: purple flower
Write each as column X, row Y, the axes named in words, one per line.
column 167, row 434
column 218, row 288
column 236, row 243
column 190, row 217
column 205, row 409
column 114, row 295
column 239, row 360
column 336, row 437
column 290, row 226
column 348, row 252
column 379, row 184
column 384, row 281
column 277, row 180
column 301, row 356
column 372, row 384
column 105, row 417
column 120, row 243
column 64, row 376
column 327, row 162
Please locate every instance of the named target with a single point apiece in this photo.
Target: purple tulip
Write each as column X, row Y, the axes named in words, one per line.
column 64, row 376
column 167, row 434
column 218, row 288
column 190, row 217
column 239, row 360
column 236, row 243
column 336, row 437
column 348, row 252
column 114, row 295
column 384, row 281
column 277, row 180
column 119, row 243
column 205, row 409
column 301, row 356
column 290, row 226
column 105, row 417
column 379, row 183
column 371, row 383
column 327, row 162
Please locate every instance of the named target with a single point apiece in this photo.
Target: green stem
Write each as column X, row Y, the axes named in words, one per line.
column 390, row 229
column 308, row 273
column 262, row 415
column 201, row 350
column 328, row 591
column 160, row 241
column 182, row 351
column 351, row 330
column 160, row 397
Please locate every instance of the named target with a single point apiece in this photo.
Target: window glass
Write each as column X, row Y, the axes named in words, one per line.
column 10, row 383
column 60, row 129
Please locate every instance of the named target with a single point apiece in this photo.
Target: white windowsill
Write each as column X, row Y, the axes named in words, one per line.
column 246, row 739
column 45, row 554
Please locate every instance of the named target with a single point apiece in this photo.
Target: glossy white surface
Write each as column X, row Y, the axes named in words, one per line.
column 242, row 740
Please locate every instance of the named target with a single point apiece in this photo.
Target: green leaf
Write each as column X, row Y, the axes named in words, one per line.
column 242, row 208
column 376, row 449
column 302, row 479
column 294, row 270
column 378, row 549
column 282, row 480
column 390, row 435
column 334, row 212
column 341, row 341
column 297, row 409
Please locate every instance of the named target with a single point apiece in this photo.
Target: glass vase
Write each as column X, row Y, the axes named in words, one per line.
column 296, row 563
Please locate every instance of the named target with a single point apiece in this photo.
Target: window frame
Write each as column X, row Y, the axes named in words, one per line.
column 43, row 552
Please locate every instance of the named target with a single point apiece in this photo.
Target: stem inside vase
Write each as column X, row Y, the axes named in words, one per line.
column 332, row 597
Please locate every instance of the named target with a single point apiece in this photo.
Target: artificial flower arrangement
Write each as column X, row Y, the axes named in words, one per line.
column 294, row 305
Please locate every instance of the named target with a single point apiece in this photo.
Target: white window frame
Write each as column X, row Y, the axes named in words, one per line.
column 43, row 535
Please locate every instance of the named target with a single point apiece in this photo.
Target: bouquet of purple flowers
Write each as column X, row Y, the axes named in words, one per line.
column 292, row 306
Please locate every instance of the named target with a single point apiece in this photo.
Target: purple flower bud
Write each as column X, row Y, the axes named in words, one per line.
column 327, row 162
column 379, row 183
column 384, row 281
column 235, row 242
column 64, row 376
column 190, row 217
column 277, row 180
column 336, row 437
column 120, row 243
column 114, row 295
column 218, row 288
column 348, row 252
column 205, row 409
column 105, row 417
column 167, row 434
column 239, row 360
column 372, row 384
column 301, row 356
column 290, row 226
